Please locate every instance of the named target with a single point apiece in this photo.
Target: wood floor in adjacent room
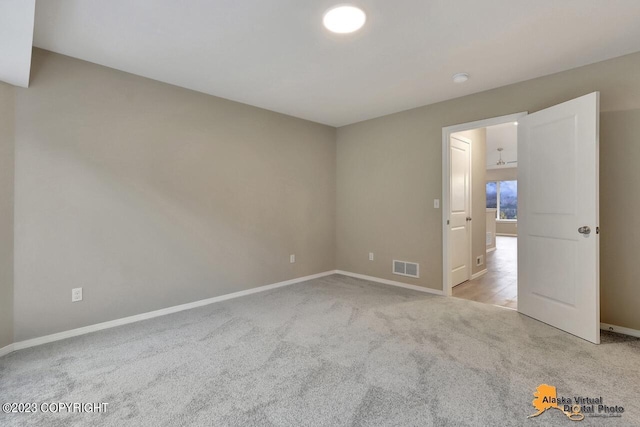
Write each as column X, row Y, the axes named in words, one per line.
column 500, row 285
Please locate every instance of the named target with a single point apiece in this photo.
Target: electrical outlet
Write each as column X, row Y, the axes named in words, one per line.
column 292, row 258
column 436, row 203
column 76, row 294
column 480, row 260
column 370, row 256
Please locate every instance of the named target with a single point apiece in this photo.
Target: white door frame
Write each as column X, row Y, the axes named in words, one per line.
column 446, row 138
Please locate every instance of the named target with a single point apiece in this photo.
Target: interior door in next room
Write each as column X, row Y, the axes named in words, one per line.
column 460, row 210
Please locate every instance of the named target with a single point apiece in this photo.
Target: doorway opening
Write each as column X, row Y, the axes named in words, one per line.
column 480, row 212
column 494, row 248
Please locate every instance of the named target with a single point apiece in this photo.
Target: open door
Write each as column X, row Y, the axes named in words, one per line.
column 460, row 210
column 558, row 234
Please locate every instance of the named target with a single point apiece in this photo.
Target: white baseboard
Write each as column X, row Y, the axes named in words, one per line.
column 491, row 249
column 169, row 310
column 150, row 315
column 390, row 282
column 6, row 349
column 620, row 330
column 479, row 274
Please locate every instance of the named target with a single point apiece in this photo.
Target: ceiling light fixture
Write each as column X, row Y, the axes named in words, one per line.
column 344, row 19
column 500, row 162
column 515, row 123
column 460, row 77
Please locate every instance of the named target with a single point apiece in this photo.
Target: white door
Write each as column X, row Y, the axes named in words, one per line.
column 459, row 215
column 558, row 241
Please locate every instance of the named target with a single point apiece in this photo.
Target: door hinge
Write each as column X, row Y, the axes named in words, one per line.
column 447, row 222
column 597, row 230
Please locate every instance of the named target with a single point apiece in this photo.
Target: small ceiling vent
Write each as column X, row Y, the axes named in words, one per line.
column 404, row 268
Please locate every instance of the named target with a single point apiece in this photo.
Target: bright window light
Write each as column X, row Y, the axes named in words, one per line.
column 344, row 19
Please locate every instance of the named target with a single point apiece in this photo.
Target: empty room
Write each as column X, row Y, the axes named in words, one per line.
column 288, row 213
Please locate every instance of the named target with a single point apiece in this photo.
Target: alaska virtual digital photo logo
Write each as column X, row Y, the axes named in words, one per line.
column 546, row 397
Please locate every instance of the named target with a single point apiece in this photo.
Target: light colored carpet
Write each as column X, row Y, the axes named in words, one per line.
column 335, row 351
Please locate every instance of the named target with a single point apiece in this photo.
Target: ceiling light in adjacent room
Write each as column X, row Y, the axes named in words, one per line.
column 500, row 162
column 460, row 77
column 344, row 19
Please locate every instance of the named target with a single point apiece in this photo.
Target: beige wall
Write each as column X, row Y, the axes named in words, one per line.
column 149, row 195
column 619, row 201
column 502, row 174
column 507, row 228
column 6, row 213
column 390, row 170
column 478, row 138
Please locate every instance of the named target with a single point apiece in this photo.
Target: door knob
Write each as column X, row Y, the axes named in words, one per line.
column 468, row 218
column 585, row 229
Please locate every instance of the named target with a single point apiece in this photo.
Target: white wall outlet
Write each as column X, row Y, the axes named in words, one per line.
column 436, row 203
column 76, row 294
column 370, row 256
column 292, row 258
column 480, row 260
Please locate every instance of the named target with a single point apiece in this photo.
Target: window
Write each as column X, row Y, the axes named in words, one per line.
column 503, row 196
column 492, row 195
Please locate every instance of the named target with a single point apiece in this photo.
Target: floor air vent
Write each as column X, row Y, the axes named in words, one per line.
column 404, row 268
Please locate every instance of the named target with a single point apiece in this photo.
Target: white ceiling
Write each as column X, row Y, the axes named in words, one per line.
column 16, row 38
column 502, row 136
column 275, row 54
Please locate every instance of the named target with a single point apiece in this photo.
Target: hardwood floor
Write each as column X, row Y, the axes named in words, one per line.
column 500, row 285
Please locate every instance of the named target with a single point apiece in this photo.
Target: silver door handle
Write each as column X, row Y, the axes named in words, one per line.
column 585, row 229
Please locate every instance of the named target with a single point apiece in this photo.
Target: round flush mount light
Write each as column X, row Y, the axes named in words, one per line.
column 460, row 77
column 344, row 19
